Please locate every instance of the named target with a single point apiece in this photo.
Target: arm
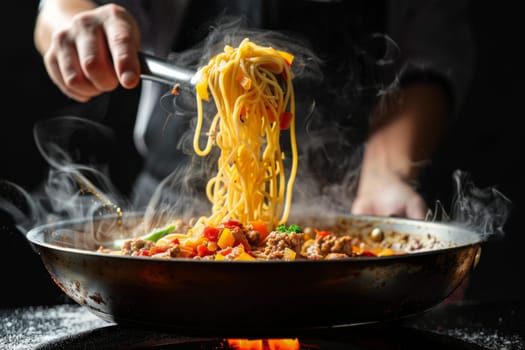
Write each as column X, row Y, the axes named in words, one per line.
column 435, row 68
column 407, row 129
column 87, row 50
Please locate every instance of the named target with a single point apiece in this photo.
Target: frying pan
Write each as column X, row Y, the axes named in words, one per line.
column 213, row 295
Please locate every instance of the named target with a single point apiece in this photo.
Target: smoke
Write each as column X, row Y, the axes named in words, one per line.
column 333, row 109
column 78, row 182
column 333, row 103
column 484, row 210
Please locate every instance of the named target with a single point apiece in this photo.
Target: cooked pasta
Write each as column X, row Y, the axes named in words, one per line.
column 251, row 193
column 252, row 89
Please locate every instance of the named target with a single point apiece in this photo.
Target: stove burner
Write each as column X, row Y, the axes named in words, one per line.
column 375, row 337
column 459, row 326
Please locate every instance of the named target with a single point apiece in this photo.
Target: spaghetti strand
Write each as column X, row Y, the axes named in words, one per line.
column 253, row 94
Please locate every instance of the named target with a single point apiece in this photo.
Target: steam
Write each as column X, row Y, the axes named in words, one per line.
column 485, row 210
column 78, row 183
column 332, row 116
column 332, row 110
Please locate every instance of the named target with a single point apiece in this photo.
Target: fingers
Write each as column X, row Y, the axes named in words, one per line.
column 95, row 53
column 62, row 65
column 416, row 208
column 123, row 40
column 361, row 207
column 397, row 200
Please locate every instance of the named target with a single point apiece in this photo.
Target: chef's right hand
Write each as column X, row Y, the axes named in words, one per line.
column 88, row 51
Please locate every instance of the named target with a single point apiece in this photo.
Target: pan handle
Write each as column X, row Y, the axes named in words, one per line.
column 159, row 70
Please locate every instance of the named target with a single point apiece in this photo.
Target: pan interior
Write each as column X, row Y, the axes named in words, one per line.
column 89, row 235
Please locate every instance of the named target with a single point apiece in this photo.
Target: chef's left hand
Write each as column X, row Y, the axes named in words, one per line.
column 406, row 128
column 385, row 193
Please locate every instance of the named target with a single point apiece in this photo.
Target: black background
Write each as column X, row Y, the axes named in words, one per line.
column 487, row 142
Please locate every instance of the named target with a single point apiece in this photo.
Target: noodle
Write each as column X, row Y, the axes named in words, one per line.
column 253, row 93
column 251, row 192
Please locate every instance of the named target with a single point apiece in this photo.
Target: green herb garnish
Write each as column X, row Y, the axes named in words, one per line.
column 293, row 228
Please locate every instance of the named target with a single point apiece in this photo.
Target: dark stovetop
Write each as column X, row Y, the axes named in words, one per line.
column 466, row 325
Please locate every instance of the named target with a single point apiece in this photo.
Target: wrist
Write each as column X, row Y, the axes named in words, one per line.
column 382, row 160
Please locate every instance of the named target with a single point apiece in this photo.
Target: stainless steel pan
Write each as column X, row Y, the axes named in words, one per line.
column 214, row 295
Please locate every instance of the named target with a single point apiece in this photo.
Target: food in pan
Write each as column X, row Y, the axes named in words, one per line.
column 232, row 240
column 251, row 192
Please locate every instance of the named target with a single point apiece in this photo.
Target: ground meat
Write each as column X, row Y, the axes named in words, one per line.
column 240, row 236
column 206, row 257
column 278, row 241
column 132, row 246
column 333, row 244
column 312, row 251
column 253, row 237
column 174, row 251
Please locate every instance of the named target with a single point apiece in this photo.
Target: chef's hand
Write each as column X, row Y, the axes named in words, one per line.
column 406, row 129
column 385, row 193
column 88, row 50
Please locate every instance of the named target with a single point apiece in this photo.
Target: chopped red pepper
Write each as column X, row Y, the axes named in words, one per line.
column 242, row 116
column 226, row 251
column 321, row 234
column 211, row 233
column 367, row 253
column 202, row 250
column 285, row 120
column 231, row 224
column 144, row 252
column 158, row 249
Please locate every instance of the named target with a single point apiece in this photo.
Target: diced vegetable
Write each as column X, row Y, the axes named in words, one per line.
column 285, row 120
column 289, row 254
column 158, row 249
column 260, row 226
column 202, row 250
column 202, row 89
column 386, row 252
column 226, row 251
column 232, row 224
column 155, row 235
column 226, row 239
column 321, row 234
column 245, row 256
column 288, row 57
column 211, row 233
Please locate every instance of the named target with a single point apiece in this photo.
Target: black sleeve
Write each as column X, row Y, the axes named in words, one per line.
column 435, row 42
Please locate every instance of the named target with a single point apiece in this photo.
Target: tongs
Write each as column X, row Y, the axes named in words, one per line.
column 159, row 70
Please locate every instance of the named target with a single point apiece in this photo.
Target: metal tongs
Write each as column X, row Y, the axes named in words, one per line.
column 159, row 70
